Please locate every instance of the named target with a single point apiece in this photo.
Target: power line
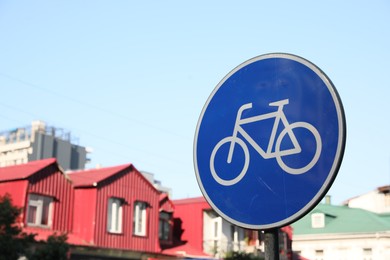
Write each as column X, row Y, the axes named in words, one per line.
column 92, row 106
column 101, row 138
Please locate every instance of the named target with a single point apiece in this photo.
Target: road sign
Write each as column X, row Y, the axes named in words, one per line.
column 269, row 141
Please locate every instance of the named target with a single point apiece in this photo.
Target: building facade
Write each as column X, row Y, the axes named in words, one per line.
column 340, row 232
column 41, row 189
column 377, row 200
column 107, row 213
column 40, row 141
column 122, row 211
column 117, row 213
column 204, row 230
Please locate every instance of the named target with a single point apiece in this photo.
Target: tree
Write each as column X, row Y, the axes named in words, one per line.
column 55, row 248
column 13, row 241
column 241, row 256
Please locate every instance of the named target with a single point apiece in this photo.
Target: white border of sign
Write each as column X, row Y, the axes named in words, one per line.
column 338, row 157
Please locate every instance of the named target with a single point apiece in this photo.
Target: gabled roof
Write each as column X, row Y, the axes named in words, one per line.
column 343, row 220
column 24, row 171
column 90, row 178
column 165, row 204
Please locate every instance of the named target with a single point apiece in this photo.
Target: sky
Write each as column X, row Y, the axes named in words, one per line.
column 129, row 78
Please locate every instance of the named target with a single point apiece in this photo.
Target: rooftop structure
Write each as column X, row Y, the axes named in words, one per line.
column 156, row 183
column 341, row 232
column 377, row 200
column 39, row 141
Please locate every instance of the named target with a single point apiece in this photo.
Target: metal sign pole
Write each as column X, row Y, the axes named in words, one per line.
column 271, row 244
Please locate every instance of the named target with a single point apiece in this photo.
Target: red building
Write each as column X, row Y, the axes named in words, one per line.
column 116, row 207
column 165, row 228
column 189, row 219
column 116, row 213
column 108, row 213
column 45, row 194
column 205, row 231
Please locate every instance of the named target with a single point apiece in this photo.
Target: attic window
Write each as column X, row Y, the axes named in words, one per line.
column 115, row 215
column 39, row 210
column 318, row 220
column 139, row 220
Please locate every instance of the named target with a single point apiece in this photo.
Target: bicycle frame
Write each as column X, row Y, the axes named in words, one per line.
column 279, row 117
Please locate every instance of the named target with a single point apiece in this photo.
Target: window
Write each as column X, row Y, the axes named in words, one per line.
column 139, row 221
column 319, row 255
column 234, row 238
column 216, row 228
column 115, row 215
column 164, row 229
column 318, row 220
column 367, row 254
column 233, row 233
column 39, row 211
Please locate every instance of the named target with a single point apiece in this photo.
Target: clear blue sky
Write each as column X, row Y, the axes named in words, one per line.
column 130, row 78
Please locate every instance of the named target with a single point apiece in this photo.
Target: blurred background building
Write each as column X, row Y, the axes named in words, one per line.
column 39, row 141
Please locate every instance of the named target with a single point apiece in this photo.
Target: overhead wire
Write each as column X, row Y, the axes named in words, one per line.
column 92, row 106
column 93, row 135
column 102, row 138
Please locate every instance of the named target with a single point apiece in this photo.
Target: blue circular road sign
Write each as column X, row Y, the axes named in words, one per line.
column 269, row 141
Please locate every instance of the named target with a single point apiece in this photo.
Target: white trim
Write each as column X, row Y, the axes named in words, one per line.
column 139, row 219
column 115, row 215
column 39, row 202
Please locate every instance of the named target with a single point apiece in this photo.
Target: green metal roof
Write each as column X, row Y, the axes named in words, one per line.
column 342, row 219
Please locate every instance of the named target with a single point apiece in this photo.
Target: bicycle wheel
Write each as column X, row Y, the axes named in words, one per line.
column 316, row 156
column 228, row 140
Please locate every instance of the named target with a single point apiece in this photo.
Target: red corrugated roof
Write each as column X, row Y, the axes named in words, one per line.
column 23, row 171
column 87, row 178
column 190, row 200
column 165, row 203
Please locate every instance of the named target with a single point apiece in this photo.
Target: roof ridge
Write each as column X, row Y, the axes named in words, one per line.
column 25, row 170
column 87, row 178
column 99, row 169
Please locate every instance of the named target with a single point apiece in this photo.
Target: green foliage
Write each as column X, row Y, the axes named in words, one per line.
column 241, row 256
column 55, row 248
column 13, row 242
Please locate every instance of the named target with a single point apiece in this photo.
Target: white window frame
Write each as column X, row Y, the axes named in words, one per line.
column 319, row 254
column 216, row 236
column 217, row 228
column 115, row 215
column 39, row 202
column 318, row 220
column 367, row 254
column 140, row 218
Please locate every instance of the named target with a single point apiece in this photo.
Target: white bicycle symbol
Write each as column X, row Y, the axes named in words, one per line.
column 278, row 153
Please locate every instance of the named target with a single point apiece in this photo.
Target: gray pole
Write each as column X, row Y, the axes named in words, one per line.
column 271, row 244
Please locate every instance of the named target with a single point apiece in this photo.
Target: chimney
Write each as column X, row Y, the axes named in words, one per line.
column 328, row 200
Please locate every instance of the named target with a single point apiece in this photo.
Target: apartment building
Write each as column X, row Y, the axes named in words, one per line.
column 341, row 232
column 39, row 141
